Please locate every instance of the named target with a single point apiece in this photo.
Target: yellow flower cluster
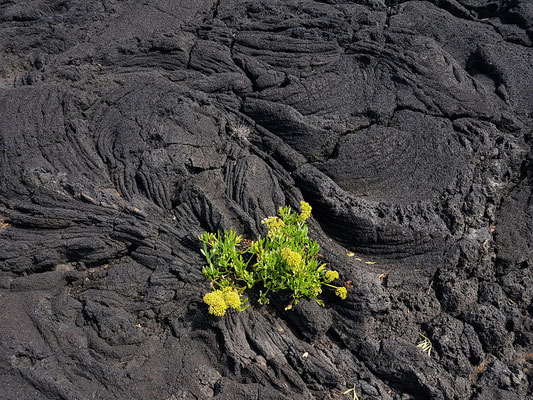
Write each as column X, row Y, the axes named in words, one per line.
column 217, row 304
column 292, row 258
column 220, row 300
column 305, row 211
column 232, row 298
column 274, row 225
column 341, row 292
column 331, row 276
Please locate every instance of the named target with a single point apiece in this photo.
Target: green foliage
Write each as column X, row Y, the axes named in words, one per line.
column 286, row 259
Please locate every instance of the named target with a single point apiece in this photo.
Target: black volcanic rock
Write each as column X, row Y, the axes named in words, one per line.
column 128, row 128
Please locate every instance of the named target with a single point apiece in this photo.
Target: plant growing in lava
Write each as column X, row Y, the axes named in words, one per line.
column 286, row 259
column 241, row 130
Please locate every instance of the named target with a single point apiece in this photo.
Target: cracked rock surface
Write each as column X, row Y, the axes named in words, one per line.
column 128, row 128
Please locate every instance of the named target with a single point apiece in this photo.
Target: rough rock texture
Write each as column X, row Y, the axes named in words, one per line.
column 128, row 128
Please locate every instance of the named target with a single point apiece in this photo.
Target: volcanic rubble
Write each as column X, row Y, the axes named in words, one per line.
column 128, row 128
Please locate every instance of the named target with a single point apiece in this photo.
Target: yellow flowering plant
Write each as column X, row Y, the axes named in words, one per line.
column 285, row 259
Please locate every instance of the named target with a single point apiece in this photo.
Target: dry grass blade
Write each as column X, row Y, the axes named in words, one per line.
column 425, row 344
column 354, row 392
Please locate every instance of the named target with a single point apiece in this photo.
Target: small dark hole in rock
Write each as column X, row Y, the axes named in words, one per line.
column 509, row 325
